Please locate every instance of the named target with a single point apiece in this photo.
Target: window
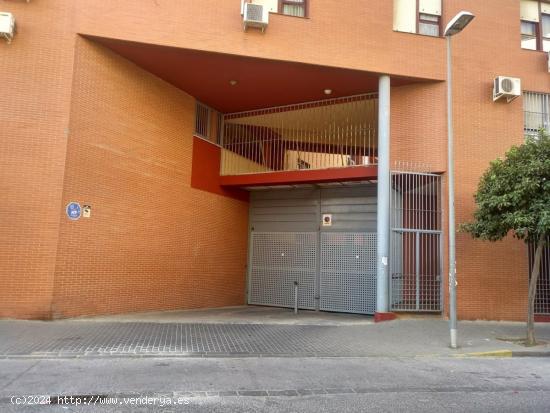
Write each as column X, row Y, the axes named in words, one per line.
column 202, row 120
column 545, row 32
column 293, row 7
column 207, row 123
column 417, row 16
column 428, row 24
column 535, row 25
column 529, row 35
column 536, row 110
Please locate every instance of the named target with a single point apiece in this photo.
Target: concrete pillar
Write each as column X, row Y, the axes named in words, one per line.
column 383, row 206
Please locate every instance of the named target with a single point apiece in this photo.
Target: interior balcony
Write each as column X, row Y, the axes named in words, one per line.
column 319, row 141
column 260, row 131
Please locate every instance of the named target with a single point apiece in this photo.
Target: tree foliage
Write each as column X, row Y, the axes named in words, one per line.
column 514, row 194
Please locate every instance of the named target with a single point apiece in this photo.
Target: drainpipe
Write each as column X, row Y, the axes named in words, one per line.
column 383, row 199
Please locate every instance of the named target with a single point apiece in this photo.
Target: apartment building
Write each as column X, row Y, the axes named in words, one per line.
column 171, row 154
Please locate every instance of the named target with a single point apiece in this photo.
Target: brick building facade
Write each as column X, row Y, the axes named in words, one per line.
column 99, row 107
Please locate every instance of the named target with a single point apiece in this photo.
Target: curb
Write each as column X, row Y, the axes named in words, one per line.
column 506, row 354
column 105, row 356
column 530, row 353
column 495, row 353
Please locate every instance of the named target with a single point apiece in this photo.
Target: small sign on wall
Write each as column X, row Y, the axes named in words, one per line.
column 86, row 211
column 327, row 220
column 73, row 211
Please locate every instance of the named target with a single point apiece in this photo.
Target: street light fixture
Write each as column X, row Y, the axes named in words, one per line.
column 455, row 26
column 458, row 23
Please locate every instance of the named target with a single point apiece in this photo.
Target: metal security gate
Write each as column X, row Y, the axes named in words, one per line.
column 334, row 264
column 416, row 242
column 278, row 260
column 348, row 272
column 542, row 298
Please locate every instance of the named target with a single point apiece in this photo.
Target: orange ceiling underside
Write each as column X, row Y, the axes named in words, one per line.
column 261, row 83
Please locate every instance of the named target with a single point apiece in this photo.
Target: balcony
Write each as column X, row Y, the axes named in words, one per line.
column 325, row 135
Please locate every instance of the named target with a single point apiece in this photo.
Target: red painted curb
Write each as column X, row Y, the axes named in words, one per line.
column 379, row 317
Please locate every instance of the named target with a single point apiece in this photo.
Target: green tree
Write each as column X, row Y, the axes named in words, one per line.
column 514, row 197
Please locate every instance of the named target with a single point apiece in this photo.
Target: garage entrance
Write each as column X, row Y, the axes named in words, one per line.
column 323, row 239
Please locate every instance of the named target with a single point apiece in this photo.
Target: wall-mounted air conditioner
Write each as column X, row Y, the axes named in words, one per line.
column 7, row 26
column 508, row 87
column 255, row 15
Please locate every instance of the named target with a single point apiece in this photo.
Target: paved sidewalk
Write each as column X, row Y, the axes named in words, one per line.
column 249, row 314
column 400, row 338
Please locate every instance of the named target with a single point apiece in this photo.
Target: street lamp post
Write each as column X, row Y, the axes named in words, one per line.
column 455, row 26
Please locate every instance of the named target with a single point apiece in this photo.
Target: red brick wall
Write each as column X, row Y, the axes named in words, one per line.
column 35, row 75
column 492, row 277
column 129, row 147
column 152, row 242
column 418, row 124
column 356, row 34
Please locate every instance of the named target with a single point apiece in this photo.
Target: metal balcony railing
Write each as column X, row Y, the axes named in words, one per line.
column 331, row 133
column 536, row 110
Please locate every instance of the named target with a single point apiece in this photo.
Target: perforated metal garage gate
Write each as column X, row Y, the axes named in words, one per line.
column 348, row 272
column 335, row 265
column 280, row 259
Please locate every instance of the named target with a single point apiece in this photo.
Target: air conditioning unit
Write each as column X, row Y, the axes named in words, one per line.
column 255, row 15
column 508, row 87
column 7, row 26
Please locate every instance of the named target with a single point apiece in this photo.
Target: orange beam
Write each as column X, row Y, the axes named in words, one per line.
column 354, row 173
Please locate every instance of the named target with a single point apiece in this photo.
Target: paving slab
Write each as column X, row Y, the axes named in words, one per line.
column 240, row 315
column 400, row 338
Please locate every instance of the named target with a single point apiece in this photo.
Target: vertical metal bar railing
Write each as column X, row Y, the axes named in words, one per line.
column 542, row 297
column 416, row 247
column 536, row 109
column 324, row 134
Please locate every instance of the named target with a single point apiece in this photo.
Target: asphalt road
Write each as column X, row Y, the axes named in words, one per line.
column 426, row 384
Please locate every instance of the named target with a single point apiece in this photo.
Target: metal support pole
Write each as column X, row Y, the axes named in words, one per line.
column 295, row 297
column 383, row 196
column 417, row 269
column 451, row 183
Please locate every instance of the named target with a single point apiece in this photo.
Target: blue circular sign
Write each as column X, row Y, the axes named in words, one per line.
column 73, row 210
